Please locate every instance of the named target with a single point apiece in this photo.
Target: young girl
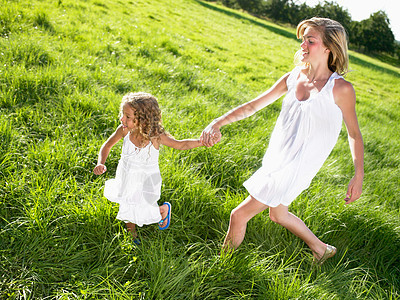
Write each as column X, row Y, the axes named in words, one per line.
column 137, row 184
column 317, row 99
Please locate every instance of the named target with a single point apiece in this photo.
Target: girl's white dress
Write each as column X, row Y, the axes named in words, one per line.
column 304, row 136
column 137, row 184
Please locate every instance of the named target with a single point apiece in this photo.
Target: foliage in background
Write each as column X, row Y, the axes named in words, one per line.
column 370, row 35
column 64, row 67
column 374, row 33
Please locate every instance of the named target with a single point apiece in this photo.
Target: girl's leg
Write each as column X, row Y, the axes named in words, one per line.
column 131, row 228
column 238, row 222
column 282, row 216
column 164, row 213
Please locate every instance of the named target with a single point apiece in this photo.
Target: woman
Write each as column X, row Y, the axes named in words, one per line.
column 317, row 99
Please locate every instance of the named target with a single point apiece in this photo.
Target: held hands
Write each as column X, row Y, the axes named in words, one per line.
column 210, row 135
column 354, row 190
column 99, row 169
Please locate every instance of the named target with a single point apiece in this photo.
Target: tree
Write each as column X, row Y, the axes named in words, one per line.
column 356, row 36
column 278, row 10
column 252, row 6
column 303, row 12
column 376, row 35
column 231, row 3
column 333, row 11
column 397, row 50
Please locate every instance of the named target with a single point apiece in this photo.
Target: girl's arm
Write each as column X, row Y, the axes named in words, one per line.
column 212, row 135
column 179, row 144
column 345, row 98
column 105, row 150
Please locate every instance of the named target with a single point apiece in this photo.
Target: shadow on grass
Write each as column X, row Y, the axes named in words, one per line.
column 372, row 66
column 241, row 17
column 373, row 240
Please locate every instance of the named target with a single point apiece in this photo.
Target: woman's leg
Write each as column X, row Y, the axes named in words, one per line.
column 238, row 222
column 282, row 216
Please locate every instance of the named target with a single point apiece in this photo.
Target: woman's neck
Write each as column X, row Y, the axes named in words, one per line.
column 318, row 73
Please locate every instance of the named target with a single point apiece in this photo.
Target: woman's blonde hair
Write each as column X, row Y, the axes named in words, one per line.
column 146, row 112
column 334, row 38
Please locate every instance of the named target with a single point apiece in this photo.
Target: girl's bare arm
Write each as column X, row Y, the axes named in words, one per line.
column 105, row 150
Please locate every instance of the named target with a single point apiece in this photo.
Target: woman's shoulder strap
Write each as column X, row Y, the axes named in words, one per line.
column 332, row 80
column 336, row 76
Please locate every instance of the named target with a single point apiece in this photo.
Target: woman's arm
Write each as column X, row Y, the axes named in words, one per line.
column 212, row 135
column 105, row 150
column 345, row 98
column 179, row 144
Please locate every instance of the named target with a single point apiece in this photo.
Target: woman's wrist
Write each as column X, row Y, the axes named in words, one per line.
column 359, row 175
column 216, row 124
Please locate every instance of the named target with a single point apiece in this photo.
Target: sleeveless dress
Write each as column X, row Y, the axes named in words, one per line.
column 304, row 136
column 137, row 184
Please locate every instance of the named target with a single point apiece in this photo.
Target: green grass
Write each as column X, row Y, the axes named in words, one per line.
column 64, row 67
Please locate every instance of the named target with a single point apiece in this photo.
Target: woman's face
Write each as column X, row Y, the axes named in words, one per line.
column 312, row 47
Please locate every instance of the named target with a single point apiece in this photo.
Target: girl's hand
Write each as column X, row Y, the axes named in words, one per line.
column 210, row 135
column 354, row 190
column 99, row 169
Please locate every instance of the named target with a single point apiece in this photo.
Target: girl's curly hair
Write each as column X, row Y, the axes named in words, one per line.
column 146, row 112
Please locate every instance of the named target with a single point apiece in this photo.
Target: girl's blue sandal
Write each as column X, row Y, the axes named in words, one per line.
column 167, row 218
column 136, row 241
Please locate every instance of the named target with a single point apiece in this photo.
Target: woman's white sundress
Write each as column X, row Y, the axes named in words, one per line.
column 304, row 136
column 137, row 184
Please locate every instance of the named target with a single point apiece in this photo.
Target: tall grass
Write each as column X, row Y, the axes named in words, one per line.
column 64, row 67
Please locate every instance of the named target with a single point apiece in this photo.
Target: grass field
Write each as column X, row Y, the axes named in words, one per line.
column 64, row 67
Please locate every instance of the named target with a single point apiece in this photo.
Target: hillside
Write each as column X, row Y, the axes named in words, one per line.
column 65, row 66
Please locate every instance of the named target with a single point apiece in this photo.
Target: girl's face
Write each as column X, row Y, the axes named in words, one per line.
column 128, row 119
column 313, row 49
